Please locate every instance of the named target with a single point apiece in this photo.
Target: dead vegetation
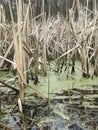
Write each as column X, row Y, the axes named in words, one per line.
column 33, row 42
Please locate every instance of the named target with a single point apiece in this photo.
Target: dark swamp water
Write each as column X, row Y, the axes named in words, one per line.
column 75, row 109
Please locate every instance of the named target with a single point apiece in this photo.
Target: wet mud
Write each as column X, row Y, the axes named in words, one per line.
column 75, row 109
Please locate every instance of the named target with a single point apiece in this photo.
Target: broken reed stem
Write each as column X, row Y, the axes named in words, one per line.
column 5, row 59
column 6, row 54
column 77, row 46
column 18, row 52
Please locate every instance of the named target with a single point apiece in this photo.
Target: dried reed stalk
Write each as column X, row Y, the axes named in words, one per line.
column 6, row 54
column 26, row 32
column 20, row 50
column 44, row 39
column 2, row 21
column 18, row 46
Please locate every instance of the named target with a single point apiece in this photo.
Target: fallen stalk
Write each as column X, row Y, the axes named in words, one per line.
column 5, row 126
column 36, row 91
column 9, row 86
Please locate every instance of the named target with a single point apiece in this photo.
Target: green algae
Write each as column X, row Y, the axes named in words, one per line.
column 58, row 83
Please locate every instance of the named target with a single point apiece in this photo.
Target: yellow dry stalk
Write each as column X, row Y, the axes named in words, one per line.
column 2, row 14
column 44, row 31
column 18, row 46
